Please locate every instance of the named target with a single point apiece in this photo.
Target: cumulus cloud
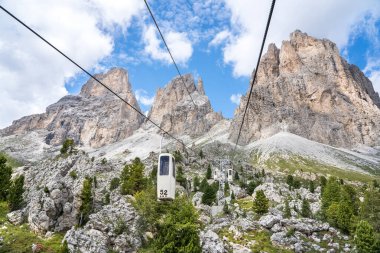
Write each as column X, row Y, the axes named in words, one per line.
column 235, row 98
column 335, row 20
column 372, row 70
column 143, row 98
column 178, row 43
column 32, row 75
column 220, row 38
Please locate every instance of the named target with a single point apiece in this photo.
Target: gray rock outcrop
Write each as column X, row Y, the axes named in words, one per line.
column 95, row 117
column 174, row 110
column 308, row 89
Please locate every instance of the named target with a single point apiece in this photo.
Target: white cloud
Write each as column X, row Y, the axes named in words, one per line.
column 178, row 43
column 235, row 98
column 143, row 98
column 220, row 38
column 32, row 75
column 372, row 70
column 334, row 20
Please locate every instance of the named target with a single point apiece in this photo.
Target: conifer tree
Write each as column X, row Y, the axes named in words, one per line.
column 261, row 203
column 311, row 186
column 225, row 208
column 364, row 237
column 236, row 176
column 233, row 196
column 208, row 173
column 5, row 178
column 251, row 187
column 330, row 194
column 203, row 185
column 305, row 209
column 196, row 183
column 87, row 201
column 15, row 198
column 287, row 212
column 209, row 196
column 344, row 216
column 67, row 147
column 290, row 181
column 226, row 189
column 132, row 177
column 370, row 208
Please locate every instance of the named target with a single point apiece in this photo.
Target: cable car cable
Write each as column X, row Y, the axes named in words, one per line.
column 167, row 48
column 171, row 56
column 92, row 76
column 257, row 66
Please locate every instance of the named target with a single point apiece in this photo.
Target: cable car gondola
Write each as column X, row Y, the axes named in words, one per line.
column 166, row 177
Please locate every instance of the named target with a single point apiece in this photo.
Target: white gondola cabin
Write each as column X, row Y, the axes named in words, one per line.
column 230, row 175
column 166, row 177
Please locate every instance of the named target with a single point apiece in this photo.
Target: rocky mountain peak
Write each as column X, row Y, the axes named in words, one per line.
column 180, row 113
column 116, row 79
column 307, row 88
column 93, row 118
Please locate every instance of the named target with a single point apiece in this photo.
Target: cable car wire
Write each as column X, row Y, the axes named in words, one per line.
column 257, row 67
column 92, row 76
column 167, row 48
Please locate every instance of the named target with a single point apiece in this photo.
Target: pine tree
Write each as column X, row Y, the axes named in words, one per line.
column 287, row 212
column 226, row 189
column 261, row 203
column 208, row 173
column 132, row 177
column 5, row 178
column 305, row 209
column 236, row 176
column 225, row 208
column 311, row 186
column 87, row 201
column 330, row 194
column 370, row 208
column 67, row 147
column 364, row 237
column 344, row 216
column 203, row 185
column 15, row 199
column 209, row 196
column 180, row 178
column 196, row 183
column 290, row 181
column 201, row 155
column 251, row 187
column 232, row 196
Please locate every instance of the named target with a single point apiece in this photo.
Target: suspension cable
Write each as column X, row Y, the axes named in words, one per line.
column 257, row 67
column 92, row 76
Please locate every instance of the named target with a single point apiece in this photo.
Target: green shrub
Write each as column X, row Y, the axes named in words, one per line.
column 226, row 189
column 236, row 176
column 15, row 199
column 203, row 185
column 115, row 182
column 364, row 238
column 106, row 199
column 5, row 177
column 180, row 177
column 178, row 156
column 46, row 190
column 64, row 248
column 73, row 174
column 251, row 187
column 104, row 161
column 370, row 208
column 121, row 227
column 311, row 186
column 67, row 147
column 290, row 232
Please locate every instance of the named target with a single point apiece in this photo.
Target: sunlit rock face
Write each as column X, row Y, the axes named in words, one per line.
column 308, row 89
column 95, row 117
column 180, row 113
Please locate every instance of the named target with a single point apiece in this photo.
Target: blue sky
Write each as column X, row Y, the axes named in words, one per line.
column 216, row 40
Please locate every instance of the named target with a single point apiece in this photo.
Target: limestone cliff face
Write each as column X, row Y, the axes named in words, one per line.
column 174, row 110
column 95, row 117
column 308, row 89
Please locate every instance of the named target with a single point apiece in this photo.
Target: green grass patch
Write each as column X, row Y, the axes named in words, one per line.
column 245, row 203
column 296, row 162
column 257, row 241
column 13, row 162
column 19, row 239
